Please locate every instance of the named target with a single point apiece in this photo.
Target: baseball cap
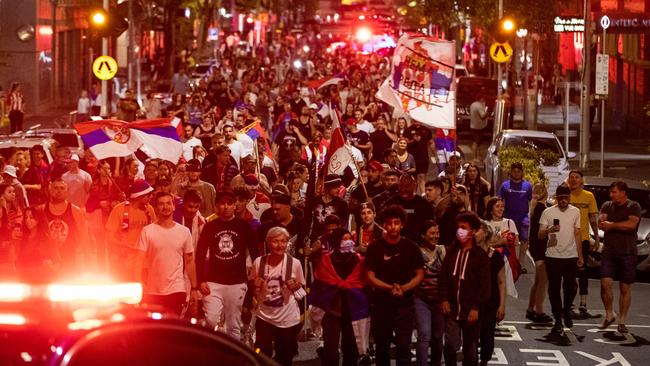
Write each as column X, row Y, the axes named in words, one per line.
column 194, row 165
column 562, row 190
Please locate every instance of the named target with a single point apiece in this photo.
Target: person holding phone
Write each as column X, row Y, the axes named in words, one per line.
column 560, row 223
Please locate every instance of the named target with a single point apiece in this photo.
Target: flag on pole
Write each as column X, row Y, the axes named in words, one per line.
column 330, row 80
column 421, row 83
column 112, row 138
column 338, row 157
column 255, row 131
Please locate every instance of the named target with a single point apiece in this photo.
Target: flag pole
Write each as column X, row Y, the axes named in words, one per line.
column 356, row 164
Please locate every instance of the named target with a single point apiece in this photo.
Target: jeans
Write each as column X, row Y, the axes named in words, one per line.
column 583, row 279
column 390, row 316
column 227, row 301
column 561, row 272
column 430, row 325
column 470, row 334
column 282, row 341
column 337, row 329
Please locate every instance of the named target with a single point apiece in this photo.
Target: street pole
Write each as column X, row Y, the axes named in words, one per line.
column 129, row 54
column 602, row 118
column 499, row 70
column 586, row 88
column 55, row 4
column 104, row 111
column 526, row 98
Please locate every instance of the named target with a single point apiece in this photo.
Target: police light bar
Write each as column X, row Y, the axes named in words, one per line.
column 12, row 319
column 96, row 294
column 13, row 292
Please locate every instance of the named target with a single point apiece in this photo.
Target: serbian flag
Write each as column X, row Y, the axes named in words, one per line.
column 111, row 138
column 330, row 80
column 254, row 131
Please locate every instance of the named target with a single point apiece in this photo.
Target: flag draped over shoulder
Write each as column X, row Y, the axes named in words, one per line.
column 111, row 138
column 421, row 83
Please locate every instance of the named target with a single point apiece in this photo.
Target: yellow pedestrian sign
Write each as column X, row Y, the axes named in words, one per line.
column 104, row 67
column 500, row 52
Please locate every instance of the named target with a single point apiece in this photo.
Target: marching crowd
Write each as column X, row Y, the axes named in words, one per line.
column 230, row 233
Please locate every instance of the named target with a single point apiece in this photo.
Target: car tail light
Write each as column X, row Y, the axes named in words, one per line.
column 13, row 292
column 103, row 294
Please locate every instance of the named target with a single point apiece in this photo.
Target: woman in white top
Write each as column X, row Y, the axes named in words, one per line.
column 83, row 107
column 503, row 228
column 279, row 283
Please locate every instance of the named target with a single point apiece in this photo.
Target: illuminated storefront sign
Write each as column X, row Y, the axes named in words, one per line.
column 564, row 25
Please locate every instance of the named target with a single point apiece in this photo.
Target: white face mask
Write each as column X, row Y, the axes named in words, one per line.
column 347, row 246
column 462, row 235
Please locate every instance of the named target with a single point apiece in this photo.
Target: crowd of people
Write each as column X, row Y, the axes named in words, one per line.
column 385, row 249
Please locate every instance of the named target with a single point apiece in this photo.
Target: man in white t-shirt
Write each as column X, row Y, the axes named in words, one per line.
column 167, row 253
column 78, row 182
column 230, row 140
column 561, row 224
column 189, row 142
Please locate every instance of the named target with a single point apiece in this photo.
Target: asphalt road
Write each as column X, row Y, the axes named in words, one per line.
column 519, row 342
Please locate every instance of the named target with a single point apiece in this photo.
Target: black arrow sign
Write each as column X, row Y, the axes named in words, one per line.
column 101, row 66
column 502, row 49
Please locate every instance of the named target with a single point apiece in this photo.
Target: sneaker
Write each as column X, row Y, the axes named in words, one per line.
column 530, row 315
column 542, row 318
column 607, row 322
column 568, row 322
column 557, row 327
column 622, row 329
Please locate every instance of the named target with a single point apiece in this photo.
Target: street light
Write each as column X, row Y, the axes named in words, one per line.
column 508, row 25
column 522, row 32
column 363, row 35
column 98, row 18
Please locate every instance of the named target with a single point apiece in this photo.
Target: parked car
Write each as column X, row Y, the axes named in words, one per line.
column 523, row 138
column 638, row 192
column 67, row 137
column 10, row 143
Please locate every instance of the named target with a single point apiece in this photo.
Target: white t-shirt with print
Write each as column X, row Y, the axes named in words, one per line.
column 164, row 251
column 277, row 304
column 566, row 239
column 503, row 225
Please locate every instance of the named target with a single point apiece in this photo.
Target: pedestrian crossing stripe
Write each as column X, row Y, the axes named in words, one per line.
column 104, row 67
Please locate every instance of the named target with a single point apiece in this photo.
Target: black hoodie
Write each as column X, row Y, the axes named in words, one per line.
column 465, row 280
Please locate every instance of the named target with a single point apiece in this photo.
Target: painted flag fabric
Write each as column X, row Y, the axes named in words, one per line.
column 330, row 80
column 111, row 138
column 338, row 157
column 421, row 83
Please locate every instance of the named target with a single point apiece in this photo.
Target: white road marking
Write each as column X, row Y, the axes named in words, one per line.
column 580, row 324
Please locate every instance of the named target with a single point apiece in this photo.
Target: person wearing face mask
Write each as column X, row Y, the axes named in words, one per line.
column 457, row 205
column 463, row 289
column 494, row 310
column 429, row 320
column 338, row 290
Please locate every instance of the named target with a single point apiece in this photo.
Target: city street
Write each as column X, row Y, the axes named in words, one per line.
column 520, row 342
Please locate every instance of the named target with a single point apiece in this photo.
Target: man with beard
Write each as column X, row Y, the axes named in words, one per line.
column 236, row 147
column 205, row 189
column 282, row 216
column 373, row 187
column 391, row 180
column 306, row 124
column 189, row 142
column 417, row 209
column 329, row 204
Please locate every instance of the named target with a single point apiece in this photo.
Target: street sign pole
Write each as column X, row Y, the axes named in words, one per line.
column 586, row 88
column 499, row 69
column 104, row 112
column 605, row 24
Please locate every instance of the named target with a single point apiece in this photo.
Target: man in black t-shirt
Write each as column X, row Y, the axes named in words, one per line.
column 329, row 204
column 359, row 138
column 394, row 267
column 417, row 209
column 228, row 240
column 381, row 139
column 420, row 139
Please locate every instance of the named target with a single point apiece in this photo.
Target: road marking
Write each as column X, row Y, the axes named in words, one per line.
column 580, row 324
column 507, row 333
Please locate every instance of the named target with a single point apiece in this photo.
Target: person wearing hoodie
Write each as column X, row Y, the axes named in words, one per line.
column 463, row 289
column 338, row 289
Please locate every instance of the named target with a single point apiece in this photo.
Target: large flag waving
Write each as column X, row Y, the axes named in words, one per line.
column 338, row 157
column 422, row 83
column 330, row 80
column 111, row 138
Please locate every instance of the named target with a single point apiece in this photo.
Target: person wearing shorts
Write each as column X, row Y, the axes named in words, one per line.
column 477, row 123
column 619, row 219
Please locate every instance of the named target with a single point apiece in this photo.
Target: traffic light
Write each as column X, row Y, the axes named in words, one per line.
column 113, row 22
column 504, row 30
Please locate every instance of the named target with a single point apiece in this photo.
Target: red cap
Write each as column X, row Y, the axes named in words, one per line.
column 375, row 165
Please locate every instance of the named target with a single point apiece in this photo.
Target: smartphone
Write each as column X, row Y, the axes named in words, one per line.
column 556, row 222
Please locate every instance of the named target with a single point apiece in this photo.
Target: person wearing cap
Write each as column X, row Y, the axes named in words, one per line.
column 10, row 177
column 561, row 224
column 417, row 209
column 67, row 224
column 517, row 193
column 221, row 170
column 282, row 217
column 205, row 189
column 123, row 228
column 359, row 138
column 78, row 181
column 151, row 171
column 249, row 166
column 374, row 186
column 60, row 163
column 329, row 203
column 229, row 240
column 164, row 248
